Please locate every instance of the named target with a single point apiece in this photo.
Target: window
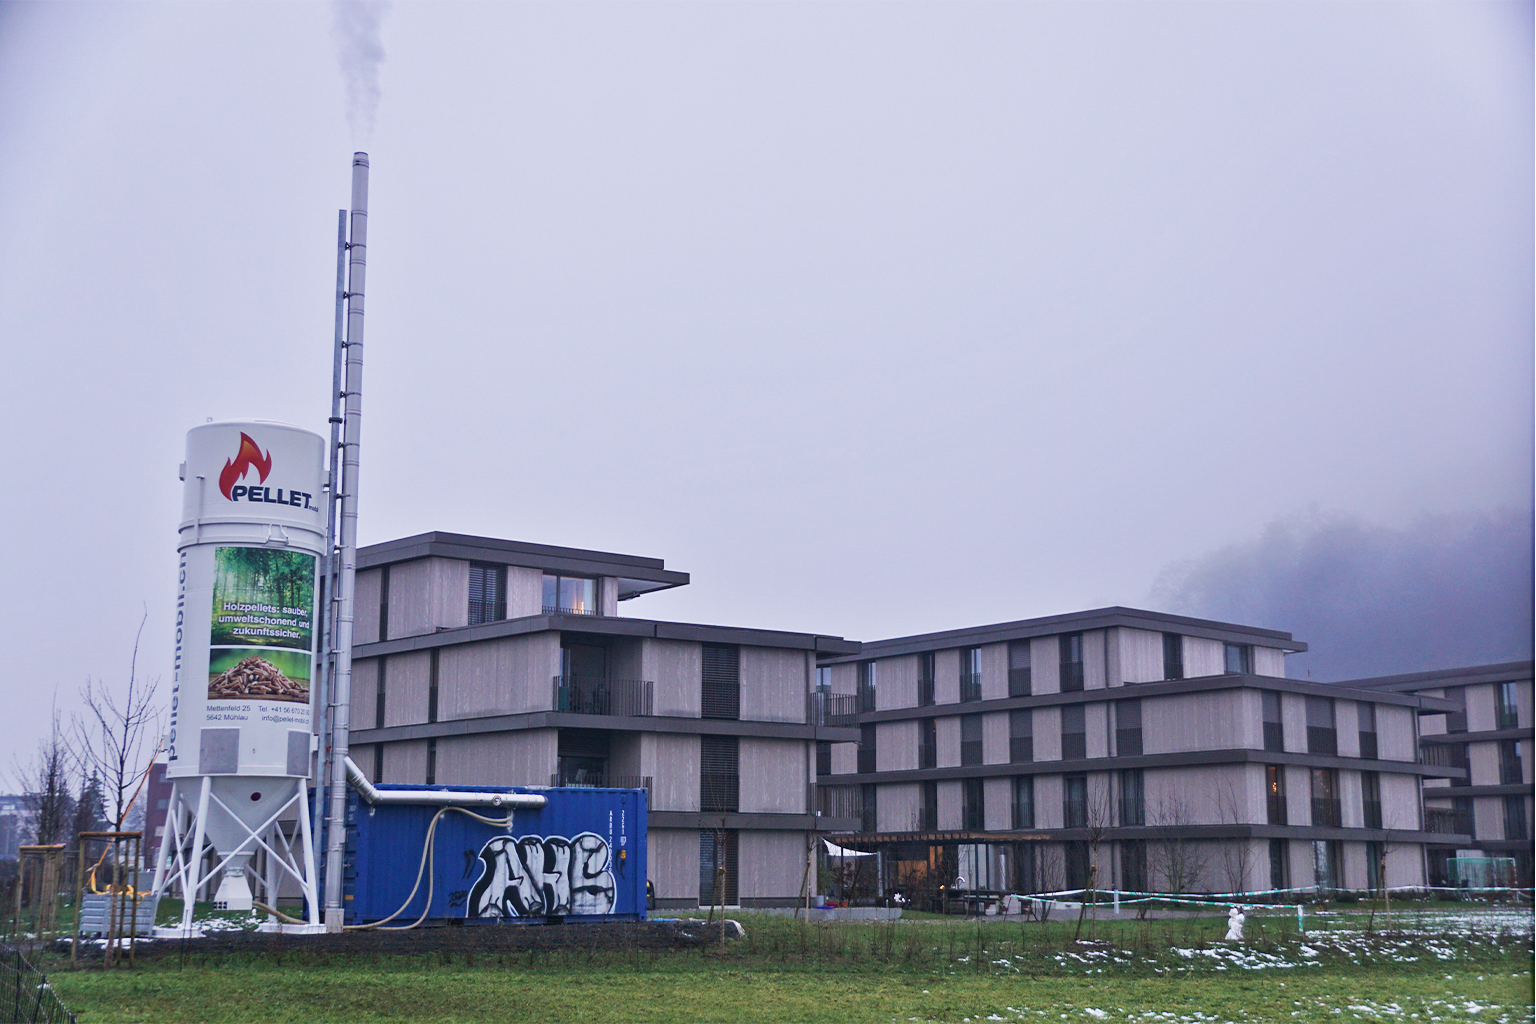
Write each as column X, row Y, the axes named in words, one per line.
column 384, row 603
column 432, row 676
column 1328, row 863
column 1374, row 856
column 866, row 749
column 823, row 758
column 1133, row 798
column 1173, row 656
column 1021, row 736
column 1274, row 787
column 1367, row 716
column 1074, row 738
column 1133, row 865
column 1019, row 682
column 925, row 698
column 824, row 680
column 378, row 762
column 1464, row 811
column 1279, row 865
column 1127, row 728
column 867, row 681
column 1511, row 771
column 928, row 811
column 1514, row 818
column 1238, row 658
column 972, row 810
column 380, row 690
column 1508, row 706
column 970, row 674
column 487, row 593
column 1370, row 798
column 927, row 743
column 432, row 762
column 1076, row 855
column 721, row 677
column 565, row 595
column 1024, row 801
column 1071, row 647
column 1322, row 738
column 719, row 773
column 1456, row 721
column 1325, row 798
column 1075, row 801
column 717, row 867
column 970, row 739
column 1274, row 726
column 867, row 818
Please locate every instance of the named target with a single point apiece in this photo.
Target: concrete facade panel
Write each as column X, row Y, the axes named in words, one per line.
column 410, row 598
column 845, row 758
column 1293, row 716
column 773, row 776
column 405, row 762
column 498, row 759
column 1047, row 726
column 1203, row 657
column 365, row 603
column 947, row 734
column 994, row 671
column 774, row 683
column 1268, row 661
column 1191, row 721
column 365, row 692
column 1395, row 739
column 1141, row 655
column 672, row 861
column 773, row 866
column 525, row 594
column 997, row 803
column 498, row 677
column 946, row 677
column 1095, row 666
column 677, row 669
column 672, row 761
column 897, row 806
column 407, row 681
column 1048, row 806
column 896, row 746
column 994, row 738
column 1096, row 721
column 950, row 806
column 896, row 683
column 1045, row 664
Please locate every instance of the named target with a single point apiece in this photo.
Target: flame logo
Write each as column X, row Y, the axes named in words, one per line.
column 250, row 456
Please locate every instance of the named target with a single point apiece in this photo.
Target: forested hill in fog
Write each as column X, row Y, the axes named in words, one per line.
column 1448, row 590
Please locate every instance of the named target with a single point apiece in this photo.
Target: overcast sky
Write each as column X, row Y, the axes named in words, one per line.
column 876, row 318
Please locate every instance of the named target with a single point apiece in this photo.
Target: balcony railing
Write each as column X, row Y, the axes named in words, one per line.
column 1071, row 676
column 583, row 779
column 1327, row 813
column 584, row 609
column 831, row 709
column 1019, row 682
column 1322, row 741
column 591, row 695
column 1447, row 822
column 840, row 801
column 1074, row 746
column 1021, row 749
column 925, row 697
column 1443, row 755
column 970, row 686
column 1372, row 812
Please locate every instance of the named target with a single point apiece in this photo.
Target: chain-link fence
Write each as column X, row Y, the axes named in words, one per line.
column 25, row 994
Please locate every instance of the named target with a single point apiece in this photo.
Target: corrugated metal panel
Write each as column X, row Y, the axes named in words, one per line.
column 581, row 857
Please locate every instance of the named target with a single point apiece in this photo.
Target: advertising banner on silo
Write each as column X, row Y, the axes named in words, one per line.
column 251, row 534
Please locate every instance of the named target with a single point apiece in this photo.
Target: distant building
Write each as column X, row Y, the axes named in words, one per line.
column 493, row 662
column 1170, row 752
column 14, row 819
column 1486, row 735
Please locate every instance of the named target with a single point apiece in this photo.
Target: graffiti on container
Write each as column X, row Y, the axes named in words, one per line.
column 534, row 876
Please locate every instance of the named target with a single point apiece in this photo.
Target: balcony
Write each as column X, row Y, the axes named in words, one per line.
column 1447, row 822
column 1327, row 813
column 840, row 801
column 970, row 687
column 831, row 710
column 582, row 779
column 1444, row 755
column 590, row 695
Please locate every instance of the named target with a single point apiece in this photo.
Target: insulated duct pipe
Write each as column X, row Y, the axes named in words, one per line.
column 448, row 797
column 346, row 577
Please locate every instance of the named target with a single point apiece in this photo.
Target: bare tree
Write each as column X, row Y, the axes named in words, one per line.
column 117, row 736
column 1100, row 814
column 45, row 785
column 1181, row 860
column 1236, row 854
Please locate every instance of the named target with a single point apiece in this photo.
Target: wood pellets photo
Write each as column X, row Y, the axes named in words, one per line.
column 256, row 678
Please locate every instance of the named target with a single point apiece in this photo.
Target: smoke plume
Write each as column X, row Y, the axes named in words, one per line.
column 355, row 28
column 1447, row 591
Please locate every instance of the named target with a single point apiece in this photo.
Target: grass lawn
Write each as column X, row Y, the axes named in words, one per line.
column 1448, row 968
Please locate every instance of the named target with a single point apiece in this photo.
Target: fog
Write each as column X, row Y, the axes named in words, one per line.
column 876, row 318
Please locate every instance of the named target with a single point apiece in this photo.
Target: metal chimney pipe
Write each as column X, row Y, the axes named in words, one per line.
column 346, row 583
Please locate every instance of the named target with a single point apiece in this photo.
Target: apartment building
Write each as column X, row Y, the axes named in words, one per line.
column 493, row 662
column 1486, row 734
column 1127, row 749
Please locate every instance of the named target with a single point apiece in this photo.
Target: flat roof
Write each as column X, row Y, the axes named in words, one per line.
column 1408, row 682
column 1098, row 618
column 636, row 574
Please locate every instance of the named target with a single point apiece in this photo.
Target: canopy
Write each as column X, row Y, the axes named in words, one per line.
column 833, row 850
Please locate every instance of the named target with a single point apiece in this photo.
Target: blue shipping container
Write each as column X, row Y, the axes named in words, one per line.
column 581, row 857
